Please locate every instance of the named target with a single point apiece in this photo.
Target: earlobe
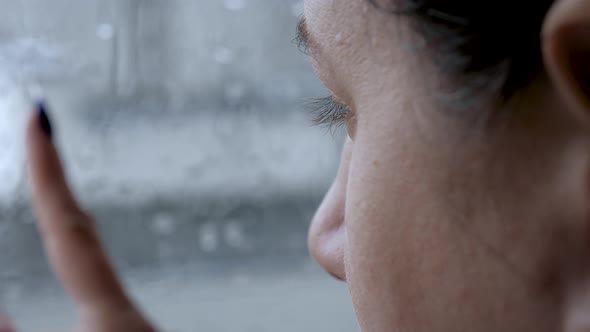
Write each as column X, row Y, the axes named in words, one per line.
column 566, row 51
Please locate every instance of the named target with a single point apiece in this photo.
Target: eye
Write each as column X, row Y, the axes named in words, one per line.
column 329, row 113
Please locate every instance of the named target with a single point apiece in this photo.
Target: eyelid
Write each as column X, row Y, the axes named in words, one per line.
column 329, row 112
column 338, row 101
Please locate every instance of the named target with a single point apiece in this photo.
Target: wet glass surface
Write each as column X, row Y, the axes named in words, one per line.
column 182, row 128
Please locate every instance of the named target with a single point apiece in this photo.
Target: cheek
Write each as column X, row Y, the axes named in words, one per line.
column 399, row 243
column 410, row 265
column 374, row 244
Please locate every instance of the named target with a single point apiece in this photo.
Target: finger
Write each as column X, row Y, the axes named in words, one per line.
column 74, row 251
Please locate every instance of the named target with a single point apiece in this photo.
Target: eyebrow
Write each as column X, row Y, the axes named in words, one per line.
column 303, row 39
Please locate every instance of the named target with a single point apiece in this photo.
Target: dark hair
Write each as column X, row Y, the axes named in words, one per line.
column 481, row 42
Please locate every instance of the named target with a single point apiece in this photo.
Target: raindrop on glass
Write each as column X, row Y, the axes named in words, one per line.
column 234, row 5
column 163, row 224
column 240, row 280
column 234, row 235
column 208, row 238
column 105, row 31
column 223, row 55
column 234, row 92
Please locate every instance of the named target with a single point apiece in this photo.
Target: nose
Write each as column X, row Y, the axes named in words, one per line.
column 327, row 234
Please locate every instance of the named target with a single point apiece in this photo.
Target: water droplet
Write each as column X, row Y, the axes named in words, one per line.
column 233, row 234
column 208, row 238
column 240, row 280
column 234, row 92
column 105, row 31
column 339, row 38
column 223, row 55
column 234, row 5
column 163, row 224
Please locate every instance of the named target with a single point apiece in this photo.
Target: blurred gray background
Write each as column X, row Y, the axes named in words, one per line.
column 183, row 130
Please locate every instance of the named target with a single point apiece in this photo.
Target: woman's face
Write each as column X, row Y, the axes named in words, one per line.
column 441, row 220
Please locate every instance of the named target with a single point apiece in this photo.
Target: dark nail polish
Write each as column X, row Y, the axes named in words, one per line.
column 44, row 119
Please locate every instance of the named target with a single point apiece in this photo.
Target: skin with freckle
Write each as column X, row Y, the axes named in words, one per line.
column 440, row 223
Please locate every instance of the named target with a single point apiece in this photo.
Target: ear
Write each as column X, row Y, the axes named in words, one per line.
column 566, row 51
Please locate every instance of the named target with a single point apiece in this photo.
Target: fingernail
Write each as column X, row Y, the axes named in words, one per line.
column 44, row 119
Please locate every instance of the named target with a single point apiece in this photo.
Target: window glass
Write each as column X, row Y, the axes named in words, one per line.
column 183, row 131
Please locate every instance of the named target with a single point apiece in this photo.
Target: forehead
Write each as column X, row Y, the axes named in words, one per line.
column 328, row 23
column 356, row 44
column 330, row 11
column 350, row 29
column 345, row 19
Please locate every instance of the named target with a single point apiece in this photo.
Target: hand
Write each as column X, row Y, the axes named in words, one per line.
column 74, row 251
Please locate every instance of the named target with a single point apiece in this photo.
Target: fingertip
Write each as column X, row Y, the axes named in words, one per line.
column 49, row 186
column 43, row 113
column 44, row 121
column 39, row 129
column 72, row 246
column 42, row 156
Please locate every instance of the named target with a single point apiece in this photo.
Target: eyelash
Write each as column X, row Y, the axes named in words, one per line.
column 328, row 112
column 299, row 39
